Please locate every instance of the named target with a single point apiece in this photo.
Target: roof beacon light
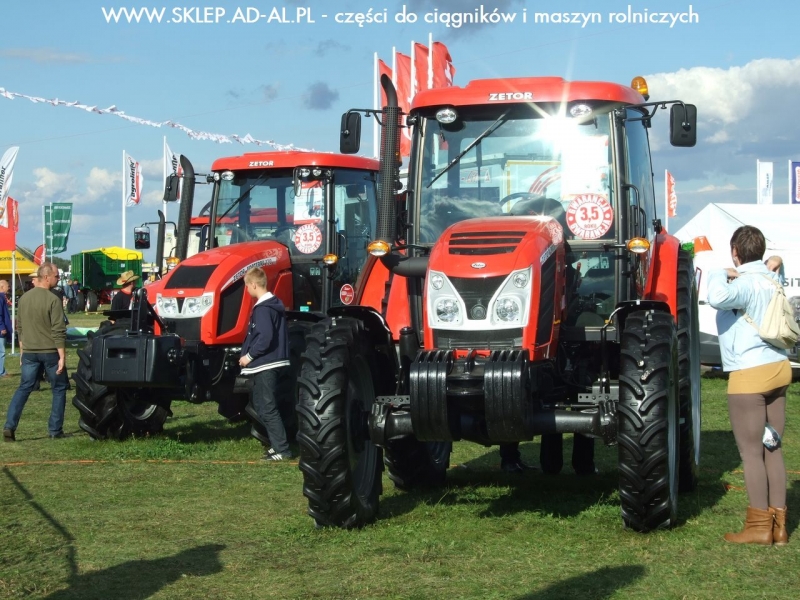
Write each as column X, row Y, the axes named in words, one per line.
column 446, row 115
column 378, row 248
column 640, row 85
column 638, row 245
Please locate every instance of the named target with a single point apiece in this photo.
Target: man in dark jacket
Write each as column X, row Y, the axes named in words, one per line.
column 6, row 328
column 265, row 356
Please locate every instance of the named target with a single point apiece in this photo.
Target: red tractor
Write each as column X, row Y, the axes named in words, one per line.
column 522, row 286
column 305, row 218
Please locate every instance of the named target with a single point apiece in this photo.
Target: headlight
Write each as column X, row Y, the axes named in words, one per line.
column 447, row 310
column 507, row 309
column 437, row 281
column 520, row 279
column 166, row 307
column 198, row 306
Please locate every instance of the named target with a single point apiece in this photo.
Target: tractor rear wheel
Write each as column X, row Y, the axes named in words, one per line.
column 688, row 373
column 113, row 413
column 80, row 302
column 341, row 467
column 648, row 428
column 287, row 387
column 412, row 463
column 91, row 301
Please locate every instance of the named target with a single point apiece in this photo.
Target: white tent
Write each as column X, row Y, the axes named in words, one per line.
column 780, row 224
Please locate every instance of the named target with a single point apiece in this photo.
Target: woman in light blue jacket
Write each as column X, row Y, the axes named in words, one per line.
column 759, row 376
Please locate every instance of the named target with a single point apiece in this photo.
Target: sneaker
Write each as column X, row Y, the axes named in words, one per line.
column 272, row 455
column 8, row 435
column 59, row 435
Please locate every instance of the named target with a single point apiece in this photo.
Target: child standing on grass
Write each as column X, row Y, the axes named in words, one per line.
column 265, row 356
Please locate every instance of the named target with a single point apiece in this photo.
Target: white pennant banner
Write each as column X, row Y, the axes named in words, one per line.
column 192, row 133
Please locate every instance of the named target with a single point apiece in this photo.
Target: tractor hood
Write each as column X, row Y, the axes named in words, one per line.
column 204, row 297
column 495, row 246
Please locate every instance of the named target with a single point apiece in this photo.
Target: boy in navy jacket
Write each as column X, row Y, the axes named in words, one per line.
column 265, row 354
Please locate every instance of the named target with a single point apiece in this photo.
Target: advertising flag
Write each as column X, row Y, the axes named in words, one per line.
column 6, row 172
column 420, row 64
column 672, row 197
column 57, row 223
column 402, row 84
column 39, row 255
column 132, row 180
column 764, row 185
column 794, row 182
column 172, row 164
column 442, row 65
column 383, row 69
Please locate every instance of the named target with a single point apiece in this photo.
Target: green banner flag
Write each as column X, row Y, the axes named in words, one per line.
column 57, row 219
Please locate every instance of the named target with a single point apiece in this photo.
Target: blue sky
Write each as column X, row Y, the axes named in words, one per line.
column 290, row 83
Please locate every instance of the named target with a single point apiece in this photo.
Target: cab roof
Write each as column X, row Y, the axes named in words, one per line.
column 294, row 158
column 526, row 90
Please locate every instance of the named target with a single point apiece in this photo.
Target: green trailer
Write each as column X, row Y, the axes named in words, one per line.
column 97, row 272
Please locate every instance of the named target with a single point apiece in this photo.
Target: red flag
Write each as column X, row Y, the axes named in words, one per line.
column 13, row 214
column 443, row 69
column 402, row 83
column 672, row 197
column 39, row 254
column 420, row 68
column 383, row 69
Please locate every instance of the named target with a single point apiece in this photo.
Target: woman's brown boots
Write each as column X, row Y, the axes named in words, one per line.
column 764, row 527
column 779, row 535
column 757, row 528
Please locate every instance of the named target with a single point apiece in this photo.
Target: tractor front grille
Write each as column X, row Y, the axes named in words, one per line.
column 476, row 292
column 485, row 243
column 494, row 339
column 188, row 329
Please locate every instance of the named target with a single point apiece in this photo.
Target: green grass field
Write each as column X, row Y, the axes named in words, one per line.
column 194, row 513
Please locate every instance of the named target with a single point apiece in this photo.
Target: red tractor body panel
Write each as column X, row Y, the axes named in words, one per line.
column 662, row 278
column 291, row 159
column 525, row 90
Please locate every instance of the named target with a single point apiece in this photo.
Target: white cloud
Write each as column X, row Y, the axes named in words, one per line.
column 717, row 188
column 153, row 168
column 100, row 182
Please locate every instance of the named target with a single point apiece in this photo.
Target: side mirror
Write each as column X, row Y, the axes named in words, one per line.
column 141, row 238
column 171, row 188
column 350, row 134
column 683, row 125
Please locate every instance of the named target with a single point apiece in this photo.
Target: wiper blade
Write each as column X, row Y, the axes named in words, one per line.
column 264, row 176
column 489, row 130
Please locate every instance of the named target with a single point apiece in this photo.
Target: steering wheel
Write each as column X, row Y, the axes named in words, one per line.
column 534, row 204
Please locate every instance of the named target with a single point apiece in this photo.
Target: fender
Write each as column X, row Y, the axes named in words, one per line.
column 662, row 280
column 387, row 295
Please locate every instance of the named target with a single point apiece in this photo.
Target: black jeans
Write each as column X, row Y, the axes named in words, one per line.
column 266, row 405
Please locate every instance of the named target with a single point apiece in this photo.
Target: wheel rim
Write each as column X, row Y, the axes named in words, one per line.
column 362, row 453
column 138, row 410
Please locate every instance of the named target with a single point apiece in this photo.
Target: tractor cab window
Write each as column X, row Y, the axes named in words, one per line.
column 590, row 287
column 640, row 174
column 256, row 206
column 355, row 214
column 518, row 162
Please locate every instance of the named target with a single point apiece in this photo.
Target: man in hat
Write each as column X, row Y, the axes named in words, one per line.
column 124, row 297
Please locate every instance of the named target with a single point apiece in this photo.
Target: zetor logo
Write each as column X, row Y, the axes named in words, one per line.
column 511, row 96
column 261, row 163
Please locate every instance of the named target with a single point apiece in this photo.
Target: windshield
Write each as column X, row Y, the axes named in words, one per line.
column 524, row 164
column 257, row 205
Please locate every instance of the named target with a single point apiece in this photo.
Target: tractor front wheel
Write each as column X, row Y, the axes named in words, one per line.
column 341, row 467
column 113, row 413
column 648, row 428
